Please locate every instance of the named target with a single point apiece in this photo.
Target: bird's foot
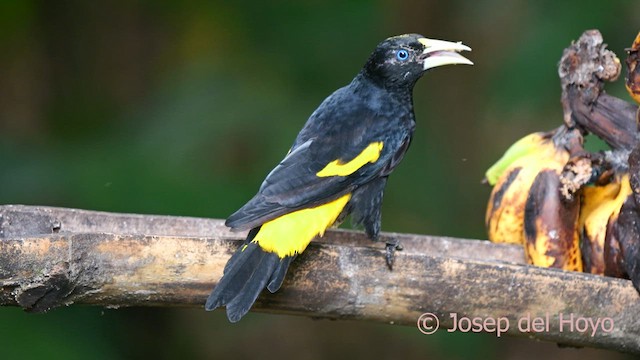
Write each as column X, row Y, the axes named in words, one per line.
column 392, row 244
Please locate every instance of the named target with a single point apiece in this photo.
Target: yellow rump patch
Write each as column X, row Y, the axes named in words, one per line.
column 290, row 234
column 337, row 168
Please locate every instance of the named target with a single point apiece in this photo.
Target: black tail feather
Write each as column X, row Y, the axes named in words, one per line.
column 278, row 275
column 234, row 280
column 240, row 305
column 238, row 254
column 245, row 275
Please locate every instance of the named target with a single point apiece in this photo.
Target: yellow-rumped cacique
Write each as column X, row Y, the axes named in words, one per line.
column 338, row 166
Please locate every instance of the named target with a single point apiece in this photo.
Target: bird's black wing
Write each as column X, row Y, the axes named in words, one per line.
column 340, row 132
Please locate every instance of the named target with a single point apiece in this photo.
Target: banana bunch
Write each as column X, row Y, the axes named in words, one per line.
column 569, row 208
column 573, row 229
column 526, row 206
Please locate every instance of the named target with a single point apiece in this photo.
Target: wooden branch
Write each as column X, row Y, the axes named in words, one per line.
column 52, row 256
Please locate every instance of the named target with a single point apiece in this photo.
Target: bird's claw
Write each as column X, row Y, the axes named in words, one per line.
column 391, row 246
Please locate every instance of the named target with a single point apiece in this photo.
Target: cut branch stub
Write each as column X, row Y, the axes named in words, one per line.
column 587, row 64
column 584, row 68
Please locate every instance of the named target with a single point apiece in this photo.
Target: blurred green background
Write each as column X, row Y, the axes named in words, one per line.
column 182, row 107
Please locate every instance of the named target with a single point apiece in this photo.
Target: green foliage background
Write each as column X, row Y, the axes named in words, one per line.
column 182, row 107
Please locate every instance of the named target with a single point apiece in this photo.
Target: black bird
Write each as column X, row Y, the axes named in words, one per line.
column 338, row 165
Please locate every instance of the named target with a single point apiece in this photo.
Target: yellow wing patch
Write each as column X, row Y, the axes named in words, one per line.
column 290, row 234
column 337, row 168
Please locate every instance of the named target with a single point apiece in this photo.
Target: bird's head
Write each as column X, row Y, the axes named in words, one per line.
column 400, row 61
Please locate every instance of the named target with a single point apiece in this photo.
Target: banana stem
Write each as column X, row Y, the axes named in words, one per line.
column 609, row 118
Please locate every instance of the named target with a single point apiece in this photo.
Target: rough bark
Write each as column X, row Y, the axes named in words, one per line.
column 52, row 256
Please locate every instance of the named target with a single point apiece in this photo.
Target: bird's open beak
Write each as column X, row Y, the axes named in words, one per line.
column 439, row 52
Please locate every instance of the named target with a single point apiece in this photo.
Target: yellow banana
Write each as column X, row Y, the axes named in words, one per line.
column 523, row 147
column 505, row 210
column 600, row 208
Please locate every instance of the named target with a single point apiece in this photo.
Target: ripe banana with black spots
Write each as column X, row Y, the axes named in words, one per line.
column 600, row 209
column 626, row 229
column 512, row 177
column 551, row 230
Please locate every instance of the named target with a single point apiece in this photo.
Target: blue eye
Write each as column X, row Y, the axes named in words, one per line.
column 402, row 55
